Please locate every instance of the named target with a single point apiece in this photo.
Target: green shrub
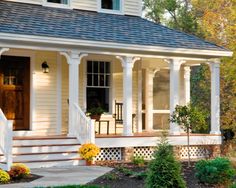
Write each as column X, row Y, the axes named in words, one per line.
column 4, row 177
column 164, row 171
column 215, row 171
column 125, row 171
column 138, row 160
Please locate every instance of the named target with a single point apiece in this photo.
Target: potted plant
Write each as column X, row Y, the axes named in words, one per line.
column 95, row 113
column 88, row 152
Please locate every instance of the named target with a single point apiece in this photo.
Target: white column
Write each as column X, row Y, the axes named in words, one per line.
column 127, row 64
column 187, row 73
column 139, row 107
column 149, row 99
column 215, row 97
column 174, row 91
column 73, row 59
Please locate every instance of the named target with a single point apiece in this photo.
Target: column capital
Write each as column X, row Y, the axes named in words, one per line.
column 128, row 61
column 2, row 50
column 73, row 55
column 175, row 62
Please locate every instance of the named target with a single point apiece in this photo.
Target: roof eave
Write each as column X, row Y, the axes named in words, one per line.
column 112, row 45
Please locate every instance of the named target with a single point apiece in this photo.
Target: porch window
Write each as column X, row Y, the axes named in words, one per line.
column 65, row 2
column 161, row 102
column 111, row 5
column 98, row 84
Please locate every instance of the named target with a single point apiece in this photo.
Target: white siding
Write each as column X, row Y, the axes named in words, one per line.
column 45, row 88
column 131, row 7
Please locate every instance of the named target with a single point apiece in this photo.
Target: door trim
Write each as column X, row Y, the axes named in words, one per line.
column 31, row 55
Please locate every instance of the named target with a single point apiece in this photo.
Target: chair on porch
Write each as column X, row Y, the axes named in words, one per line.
column 118, row 116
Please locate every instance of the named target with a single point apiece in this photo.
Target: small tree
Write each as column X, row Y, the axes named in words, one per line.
column 189, row 118
column 164, row 170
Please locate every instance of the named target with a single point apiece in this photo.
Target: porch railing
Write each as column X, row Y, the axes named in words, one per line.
column 84, row 129
column 6, row 139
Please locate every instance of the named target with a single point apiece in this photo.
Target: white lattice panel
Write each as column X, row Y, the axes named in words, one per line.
column 196, row 152
column 146, row 152
column 109, row 154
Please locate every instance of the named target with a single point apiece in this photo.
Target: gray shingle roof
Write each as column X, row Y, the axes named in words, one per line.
column 37, row 20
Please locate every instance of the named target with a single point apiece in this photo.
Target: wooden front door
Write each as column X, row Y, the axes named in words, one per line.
column 15, row 90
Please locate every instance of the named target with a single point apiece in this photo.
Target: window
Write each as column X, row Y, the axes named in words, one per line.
column 65, row 2
column 111, row 5
column 98, row 84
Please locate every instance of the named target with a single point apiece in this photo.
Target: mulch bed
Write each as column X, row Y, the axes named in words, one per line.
column 120, row 178
column 29, row 178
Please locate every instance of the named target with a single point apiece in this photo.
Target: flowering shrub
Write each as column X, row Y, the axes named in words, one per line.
column 18, row 171
column 4, row 177
column 89, row 151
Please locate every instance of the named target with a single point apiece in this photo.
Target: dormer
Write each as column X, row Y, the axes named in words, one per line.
column 123, row 7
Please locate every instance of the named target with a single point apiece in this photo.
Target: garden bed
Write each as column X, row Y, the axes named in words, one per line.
column 127, row 175
column 29, row 178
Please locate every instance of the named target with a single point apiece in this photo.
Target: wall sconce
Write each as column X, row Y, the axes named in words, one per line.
column 45, row 67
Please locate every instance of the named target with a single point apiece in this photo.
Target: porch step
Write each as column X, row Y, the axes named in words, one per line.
column 43, row 151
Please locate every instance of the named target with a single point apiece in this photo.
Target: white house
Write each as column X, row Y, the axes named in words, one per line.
column 96, row 51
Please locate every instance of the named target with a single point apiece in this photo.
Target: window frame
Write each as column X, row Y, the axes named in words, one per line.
column 110, row 87
column 57, row 5
column 121, row 11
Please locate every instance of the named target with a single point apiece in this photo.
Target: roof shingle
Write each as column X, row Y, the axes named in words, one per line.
column 38, row 20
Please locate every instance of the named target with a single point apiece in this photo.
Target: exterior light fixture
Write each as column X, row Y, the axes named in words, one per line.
column 45, row 67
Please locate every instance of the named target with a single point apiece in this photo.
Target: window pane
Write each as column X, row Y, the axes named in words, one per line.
column 102, row 81
column 58, row 1
column 95, row 80
column 107, row 67
column 89, row 66
column 89, row 80
column 107, row 80
column 161, row 90
column 95, row 67
column 161, row 121
column 111, row 4
column 102, row 67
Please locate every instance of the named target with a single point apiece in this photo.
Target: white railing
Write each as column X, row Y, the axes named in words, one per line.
column 6, row 136
column 84, row 126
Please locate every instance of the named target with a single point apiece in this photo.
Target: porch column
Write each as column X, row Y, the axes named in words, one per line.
column 215, row 97
column 174, row 91
column 127, row 64
column 187, row 73
column 2, row 50
column 149, row 99
column 139, row 103
column 73, row 59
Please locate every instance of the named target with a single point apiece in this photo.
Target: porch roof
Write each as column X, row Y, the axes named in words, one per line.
column 36, row 20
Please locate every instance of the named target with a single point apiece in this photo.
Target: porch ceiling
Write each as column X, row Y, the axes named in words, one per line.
column 75, row 28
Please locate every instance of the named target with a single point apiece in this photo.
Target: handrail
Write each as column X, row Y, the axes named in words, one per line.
column 6, row 136
column 84, row 126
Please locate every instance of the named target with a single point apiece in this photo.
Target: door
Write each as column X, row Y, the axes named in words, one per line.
column 15, row 90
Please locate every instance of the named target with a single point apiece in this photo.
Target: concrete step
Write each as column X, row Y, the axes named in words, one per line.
column 45, row 156
column 45, row 148
column 44, row 141
column 47, row 164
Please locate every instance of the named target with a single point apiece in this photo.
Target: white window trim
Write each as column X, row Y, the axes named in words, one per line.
column 111, row 82
column 121, row 11
column 57, row 5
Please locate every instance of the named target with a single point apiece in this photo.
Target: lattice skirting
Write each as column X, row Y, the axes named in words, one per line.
column 110, row 154
column 145, row 152
column 196, row 152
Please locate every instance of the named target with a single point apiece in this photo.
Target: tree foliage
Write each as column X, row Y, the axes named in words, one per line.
column 176, row 14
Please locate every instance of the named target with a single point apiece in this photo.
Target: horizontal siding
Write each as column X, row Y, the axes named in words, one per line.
column 28, row 1
column 131, row 7
column 85, row 5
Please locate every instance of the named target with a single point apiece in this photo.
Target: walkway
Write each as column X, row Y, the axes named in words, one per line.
column 71, row 175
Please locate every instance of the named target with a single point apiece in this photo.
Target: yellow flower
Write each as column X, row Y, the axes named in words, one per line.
column 89, row 151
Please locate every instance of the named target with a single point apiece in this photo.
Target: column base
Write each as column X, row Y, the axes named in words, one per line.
column 174, row 132
column 127, row 134
column 215, row 132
